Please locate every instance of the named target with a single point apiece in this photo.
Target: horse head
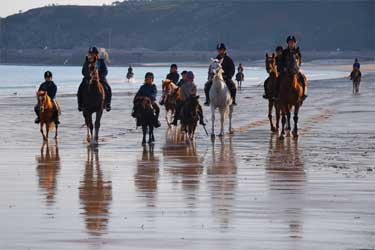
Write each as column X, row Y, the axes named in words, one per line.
column 94, row 73
column 216, row 69
column 44, row 100
column 270, row 62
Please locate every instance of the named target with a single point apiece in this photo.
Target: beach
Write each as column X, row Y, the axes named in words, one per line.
column 248, row 190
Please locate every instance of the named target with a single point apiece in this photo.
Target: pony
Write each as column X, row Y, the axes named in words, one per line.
column 189, row 116
column 170, row 96
column 240, row 78
column 291, row 92
column 356, row 76
column 146, row 118
column 93, row 97
column 46, row 114
column 220, row 97
column 272, row 79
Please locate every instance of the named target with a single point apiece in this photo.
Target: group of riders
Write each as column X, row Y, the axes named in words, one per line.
column 287, row 60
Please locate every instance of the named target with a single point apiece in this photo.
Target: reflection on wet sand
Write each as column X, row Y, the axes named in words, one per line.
column 48, row 167
column 286, row 178
column 222, row 180
column 182, row 161
column 147, row 175
column 95, row 194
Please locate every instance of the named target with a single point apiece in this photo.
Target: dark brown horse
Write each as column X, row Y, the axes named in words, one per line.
column 189, row 116
column 46, row 114
column 147, row 117
column 93, row 97
column 272, row 86
column 291, row 93
column 356, row 76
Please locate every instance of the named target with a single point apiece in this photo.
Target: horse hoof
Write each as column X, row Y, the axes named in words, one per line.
column 295, row 134
column 281, row 137
column 212, row 135
column 220, row 135
column 273, row 129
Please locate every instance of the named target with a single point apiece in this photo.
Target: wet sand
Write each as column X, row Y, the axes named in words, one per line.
column 246, row 191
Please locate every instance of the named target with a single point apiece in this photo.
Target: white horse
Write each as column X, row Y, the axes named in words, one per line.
column 220, row 97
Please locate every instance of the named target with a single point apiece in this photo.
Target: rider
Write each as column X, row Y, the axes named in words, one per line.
column 183, row 79
column 173, row 74
column 240, row 68
column 130, row 69
column 148, row 89
column 93, row 56
column 188, row 89
column 229, row 70
column 356, row 64
column 290, row 57
column 279, row 53
column 51, row 89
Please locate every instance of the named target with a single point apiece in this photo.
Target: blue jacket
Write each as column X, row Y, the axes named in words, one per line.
column 50, row 87
column 102, row 68
column 149, row 91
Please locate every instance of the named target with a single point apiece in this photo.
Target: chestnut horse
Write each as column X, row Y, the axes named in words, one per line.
column 272, row 83
column 291, row 93
column 171, row 94
column 93, row 97
column 46, row 113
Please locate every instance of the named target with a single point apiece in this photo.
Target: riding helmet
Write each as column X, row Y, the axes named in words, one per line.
column 93, row 50
column 149, row 74
column 190, row 75
column 47, row 74
column 174, row 66
column 291, row 38
column 221, row 46
column 183, row 72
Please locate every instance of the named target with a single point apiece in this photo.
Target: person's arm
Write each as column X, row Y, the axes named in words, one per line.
column 154, row 92
column 103, row 69
column 231, row 67
column 85, row 69
column 300, row 56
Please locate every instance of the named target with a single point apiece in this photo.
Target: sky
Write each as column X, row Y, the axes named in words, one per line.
column 9, row 7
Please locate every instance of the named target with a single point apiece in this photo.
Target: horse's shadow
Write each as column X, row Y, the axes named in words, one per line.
column 95, row 194
column 48, row 167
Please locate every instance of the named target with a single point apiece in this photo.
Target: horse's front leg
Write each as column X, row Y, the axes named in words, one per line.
column 42, row 131
column 295, row 119
column 56, row 132
column 283, row 121
column 222, row 117
column 270, row 107
column 288, row 126
column 277, row 110
column 97, row 126
column 144, row 131
column 150, row 135
column 213, row 121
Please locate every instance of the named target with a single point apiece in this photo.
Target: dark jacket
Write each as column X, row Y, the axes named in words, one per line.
column 289, row 60
column 180, row 83
column 228, row 67
column 279, row 63
column 149, row 91
column 102, row 68
column 50, row 87
column 174, row 77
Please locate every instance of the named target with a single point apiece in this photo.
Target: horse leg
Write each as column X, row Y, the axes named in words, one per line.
column 213, row 121
column 295, row 118
column 42, row 131
column 283, row 121
column 97, row 125
column 270, row 107
column 56, row 128
column 288, row 126
column 144, row 131
column 91, row 127
column 47, row 130
column 277, row 110
column 150, row 134
column 230, row 119
column 222, row 116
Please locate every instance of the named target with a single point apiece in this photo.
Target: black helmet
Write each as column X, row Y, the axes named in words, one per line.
column 291, row 38
column 221, row 46
column 278, row 48
column 47, row 74
column 174, row 66
column 93, row 50
column 149, row 74
column 183, row 72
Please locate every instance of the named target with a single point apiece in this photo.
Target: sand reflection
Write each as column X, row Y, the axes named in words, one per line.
column 222, row 179
column 95, row 194
column 48, row 167
column 147, row 175
column 286, row 178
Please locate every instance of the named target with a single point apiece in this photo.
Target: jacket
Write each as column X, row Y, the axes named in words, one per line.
column 102, row 69
column 50, row 87
column 228, row 67
column 146, row 90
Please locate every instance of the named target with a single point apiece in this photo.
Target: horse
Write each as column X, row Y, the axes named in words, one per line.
column 291, row 93
column 129, row 75
column 189, row 116
column 146, row 115
column 93, row 97
column 220, row 97
column 170, row 96
column 271, row 68
column 355, row 76
column 46, row 114
column 239, row 78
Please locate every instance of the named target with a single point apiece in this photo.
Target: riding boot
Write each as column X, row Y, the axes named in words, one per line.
column 108, row 95
column 157, row 112
column 200, row 114
column 37, row 112
column 207, row 88
column 302, row 80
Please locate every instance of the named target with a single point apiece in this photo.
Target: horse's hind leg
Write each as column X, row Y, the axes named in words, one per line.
column 213, row 121
column 288, row 126
column 295, row 118
column 283, row 121
column 97, row 125
column 56, row 132
column 230, row 119
column 150, row 135
column 144, row 131
column 277, row 110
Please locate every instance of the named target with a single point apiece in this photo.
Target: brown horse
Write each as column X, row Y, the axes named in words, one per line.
column 291, row 93
column 171, row 94
column 93, row 97
column 189, row 116
column 356, row 76
column 146, row 115
column 46, row 113
column 271, row 68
